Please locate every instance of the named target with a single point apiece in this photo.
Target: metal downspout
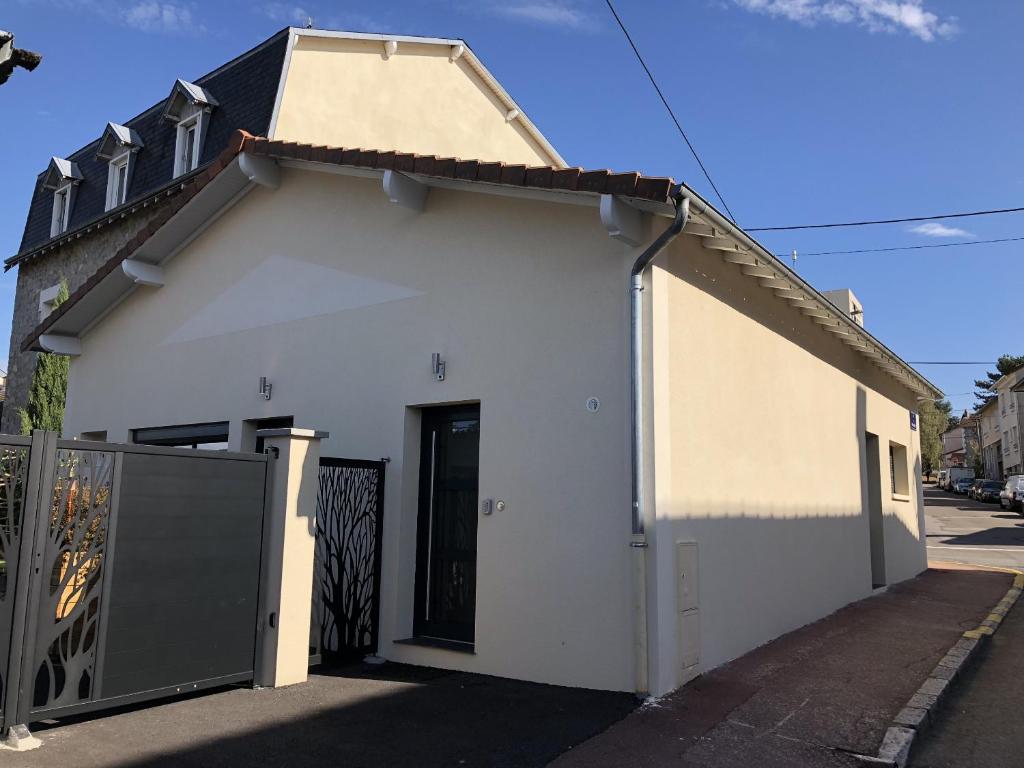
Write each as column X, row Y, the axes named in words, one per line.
column 638, row 540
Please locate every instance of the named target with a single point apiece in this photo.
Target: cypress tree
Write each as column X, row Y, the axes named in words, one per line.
column 49, row 388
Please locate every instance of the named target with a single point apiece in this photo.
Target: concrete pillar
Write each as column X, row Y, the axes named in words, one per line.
column 289, row 541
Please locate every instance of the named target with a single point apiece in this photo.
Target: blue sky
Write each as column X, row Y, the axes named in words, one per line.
column 803, row 110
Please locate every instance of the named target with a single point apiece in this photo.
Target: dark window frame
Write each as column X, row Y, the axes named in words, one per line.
column 182, row 435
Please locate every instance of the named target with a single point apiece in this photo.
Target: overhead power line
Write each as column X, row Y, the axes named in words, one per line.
column 904, row 247
column 951, row 362
column 904, row 220
column 671, row 113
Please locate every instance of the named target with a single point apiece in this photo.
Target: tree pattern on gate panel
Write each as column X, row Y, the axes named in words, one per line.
column 13, row 473
column 346, row 544
column 73, row 558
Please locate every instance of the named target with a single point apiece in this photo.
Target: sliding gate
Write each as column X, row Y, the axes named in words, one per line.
column 127, row 572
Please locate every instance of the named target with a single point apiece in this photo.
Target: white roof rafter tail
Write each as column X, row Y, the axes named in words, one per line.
column 772, row 274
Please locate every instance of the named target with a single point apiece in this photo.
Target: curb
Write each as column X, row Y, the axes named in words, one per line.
column 916, row 714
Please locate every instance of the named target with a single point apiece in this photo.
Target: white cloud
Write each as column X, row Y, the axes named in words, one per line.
column 286, row 13
column 934, row 229
column 300, row 15
column 891, row 16
column 554, row 13
column 147, row 15
column 153, row 16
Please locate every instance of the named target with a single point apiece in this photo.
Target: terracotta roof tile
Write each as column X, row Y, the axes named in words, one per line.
column 564, row 178
column 513, row 175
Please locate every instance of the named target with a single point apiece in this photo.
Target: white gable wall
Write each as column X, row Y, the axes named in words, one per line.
column 345, row 92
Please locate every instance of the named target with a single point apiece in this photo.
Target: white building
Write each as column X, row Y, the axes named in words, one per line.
column 471, row 321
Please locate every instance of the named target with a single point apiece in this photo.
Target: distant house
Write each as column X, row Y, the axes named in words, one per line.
column 990, row 433
column 961, row 442
column 624, row 442
column 1010, row 398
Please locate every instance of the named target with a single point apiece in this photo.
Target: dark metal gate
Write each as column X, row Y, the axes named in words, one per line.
column 346, row 590
column 131, row 572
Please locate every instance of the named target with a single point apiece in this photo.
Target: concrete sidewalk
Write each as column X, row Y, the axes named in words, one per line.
column 812, row 697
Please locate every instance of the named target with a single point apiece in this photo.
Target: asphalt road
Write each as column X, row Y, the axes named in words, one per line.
column 964, row 531
column 979, row 725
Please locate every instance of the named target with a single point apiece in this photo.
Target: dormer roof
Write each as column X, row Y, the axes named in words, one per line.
column 115, row 138
column 185, row 93
column 59, row 172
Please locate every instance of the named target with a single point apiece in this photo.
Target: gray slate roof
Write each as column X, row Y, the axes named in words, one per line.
column 245, row 89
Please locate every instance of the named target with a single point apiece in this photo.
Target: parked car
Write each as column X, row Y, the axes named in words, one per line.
column 988, row 490
column 956, row 473
column 1012, row 494
column 963, row 485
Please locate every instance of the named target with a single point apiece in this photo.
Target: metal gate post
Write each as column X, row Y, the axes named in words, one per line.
column 35, row 515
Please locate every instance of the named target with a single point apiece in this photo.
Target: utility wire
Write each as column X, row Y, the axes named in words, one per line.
column 886, row 221
column 672, row 114
column 903, row 247
column 951, row 362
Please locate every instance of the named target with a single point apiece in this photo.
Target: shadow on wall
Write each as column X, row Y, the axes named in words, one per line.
column 392, row 715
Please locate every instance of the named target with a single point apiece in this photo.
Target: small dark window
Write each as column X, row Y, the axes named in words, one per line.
column 208, row 437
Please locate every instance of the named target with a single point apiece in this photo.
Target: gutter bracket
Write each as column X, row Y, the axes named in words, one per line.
column 68, row 346
column 623, row 222
column 141, row 273
column 260, row 170
column 405, row 191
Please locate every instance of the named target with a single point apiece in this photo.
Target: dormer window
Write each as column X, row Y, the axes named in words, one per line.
column 117, row 181
column 62, row 176
column 61, row 210
column 189, row 106
column 118, row 147
column 186, row 156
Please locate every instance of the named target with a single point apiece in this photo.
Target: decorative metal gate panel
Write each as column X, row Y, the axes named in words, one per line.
column 176, row 609
column 71, row 544
column 349, row 527
column 14, row 463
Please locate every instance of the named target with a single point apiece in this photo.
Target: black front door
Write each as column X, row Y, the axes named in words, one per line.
column 446, row 531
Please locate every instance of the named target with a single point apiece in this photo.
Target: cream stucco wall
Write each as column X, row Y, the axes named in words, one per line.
column 340, row 297
column 343, row 92
column 759, row 420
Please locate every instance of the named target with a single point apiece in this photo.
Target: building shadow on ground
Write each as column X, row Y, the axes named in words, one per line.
column 359, row 715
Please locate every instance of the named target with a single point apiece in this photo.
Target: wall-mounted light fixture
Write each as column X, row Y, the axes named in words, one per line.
column 265, row 387
column 438, row 366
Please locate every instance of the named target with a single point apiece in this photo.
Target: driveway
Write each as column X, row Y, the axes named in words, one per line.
column 365, row 716
column 964, row 531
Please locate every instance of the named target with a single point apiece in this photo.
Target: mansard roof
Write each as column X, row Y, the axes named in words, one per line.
column 245, row 87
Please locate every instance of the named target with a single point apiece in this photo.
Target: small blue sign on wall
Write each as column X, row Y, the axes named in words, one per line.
column 913, row 421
